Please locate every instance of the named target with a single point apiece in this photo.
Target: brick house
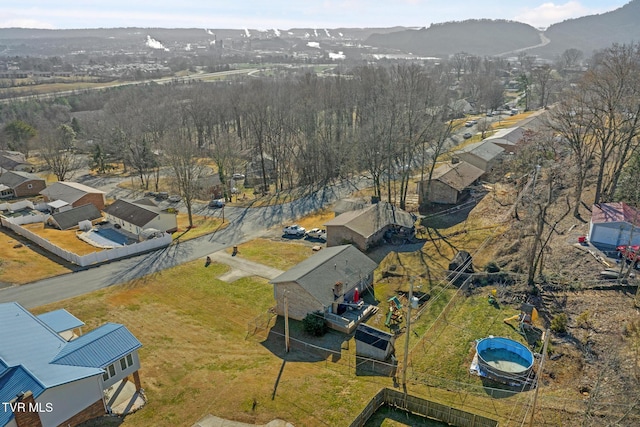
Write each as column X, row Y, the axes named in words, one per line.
column 20, row 184
column 366, row 227
column 326, row 282
column 75, row 194
column 449, row 183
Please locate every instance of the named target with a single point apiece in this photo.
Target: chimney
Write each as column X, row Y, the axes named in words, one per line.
column 25, row 410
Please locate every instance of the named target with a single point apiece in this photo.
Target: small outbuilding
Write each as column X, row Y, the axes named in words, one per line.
column 614, row 224
column 374, row 343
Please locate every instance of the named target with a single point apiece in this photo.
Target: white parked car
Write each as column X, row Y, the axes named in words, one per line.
column 174, row 199
column 294, row 230
column 317, row 233
column 237, row 176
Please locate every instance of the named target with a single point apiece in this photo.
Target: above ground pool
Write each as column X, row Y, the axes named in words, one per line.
column 504, row 358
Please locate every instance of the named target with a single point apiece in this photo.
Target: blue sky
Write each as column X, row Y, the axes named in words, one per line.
column 285, row 14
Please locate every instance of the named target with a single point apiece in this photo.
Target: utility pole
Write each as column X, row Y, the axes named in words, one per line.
column 406, row 342
column 539, row 374
column 286, row 323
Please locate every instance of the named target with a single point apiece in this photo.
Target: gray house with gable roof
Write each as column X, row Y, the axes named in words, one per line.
column 327, row 282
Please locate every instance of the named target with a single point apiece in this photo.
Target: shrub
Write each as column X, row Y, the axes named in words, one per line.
column 313, row 324
column 492, row 267
column 559, row 323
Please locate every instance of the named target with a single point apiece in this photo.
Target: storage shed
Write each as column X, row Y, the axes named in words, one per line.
column 373, row 343
column 614, row 224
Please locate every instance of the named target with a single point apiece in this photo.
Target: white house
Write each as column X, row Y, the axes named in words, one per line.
column 614, row 224
column 140, row 215
column 49, row 381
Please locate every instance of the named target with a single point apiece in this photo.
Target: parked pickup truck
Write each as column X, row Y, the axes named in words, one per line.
column 294, row 230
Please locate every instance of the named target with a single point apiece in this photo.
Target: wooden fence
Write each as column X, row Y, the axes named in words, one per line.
column 422, row 407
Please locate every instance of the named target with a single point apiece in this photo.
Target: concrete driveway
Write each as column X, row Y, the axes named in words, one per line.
column 243, row 268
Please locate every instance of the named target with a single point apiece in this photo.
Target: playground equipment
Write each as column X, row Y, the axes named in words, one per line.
column 492, row 296
column 395, row 311
column 526, row 319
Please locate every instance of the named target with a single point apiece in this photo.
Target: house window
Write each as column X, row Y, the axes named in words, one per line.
column 110, row 371
column 126, row 362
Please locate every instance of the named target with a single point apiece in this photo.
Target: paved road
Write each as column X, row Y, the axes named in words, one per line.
column 244, row 224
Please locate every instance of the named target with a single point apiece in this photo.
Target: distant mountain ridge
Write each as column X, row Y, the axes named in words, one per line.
column 479, row 37
column 493, row 37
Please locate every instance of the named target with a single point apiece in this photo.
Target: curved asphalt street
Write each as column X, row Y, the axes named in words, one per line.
column 244, row 224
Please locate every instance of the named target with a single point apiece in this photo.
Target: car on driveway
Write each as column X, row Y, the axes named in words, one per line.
column 294, row 230
column 237, row 176
column 174, row 198
column 317, row 233
column 219, row 203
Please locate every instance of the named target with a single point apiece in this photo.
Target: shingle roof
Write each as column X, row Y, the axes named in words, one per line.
column 133, row 213
column 319, row 273
column 68, row 191
column 98, row 348
column 15, row 178
column 72, row 217
column 615, row 212
column 486, row 150
column 512, row 135
column 369, row 220
column 11, row 159
column 457, row 175
column 60, row 320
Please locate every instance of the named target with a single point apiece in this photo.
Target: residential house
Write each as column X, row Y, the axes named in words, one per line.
column 367, row 227
column 52, row 381
column 347, row 205
column 139, row 215
column 614, row 224
column 509, row 138
column 210, row 186
column 449, row 183
column 483, row 155
column 72, row 217
column 15, row 161
column 75, row 194
column 253, row 171
column 328, row 282
column 20, row 184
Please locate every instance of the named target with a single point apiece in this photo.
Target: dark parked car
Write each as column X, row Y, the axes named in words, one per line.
column 467, row 135
column 217, row 203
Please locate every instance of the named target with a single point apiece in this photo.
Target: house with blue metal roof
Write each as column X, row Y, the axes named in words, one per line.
column 48, row 380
